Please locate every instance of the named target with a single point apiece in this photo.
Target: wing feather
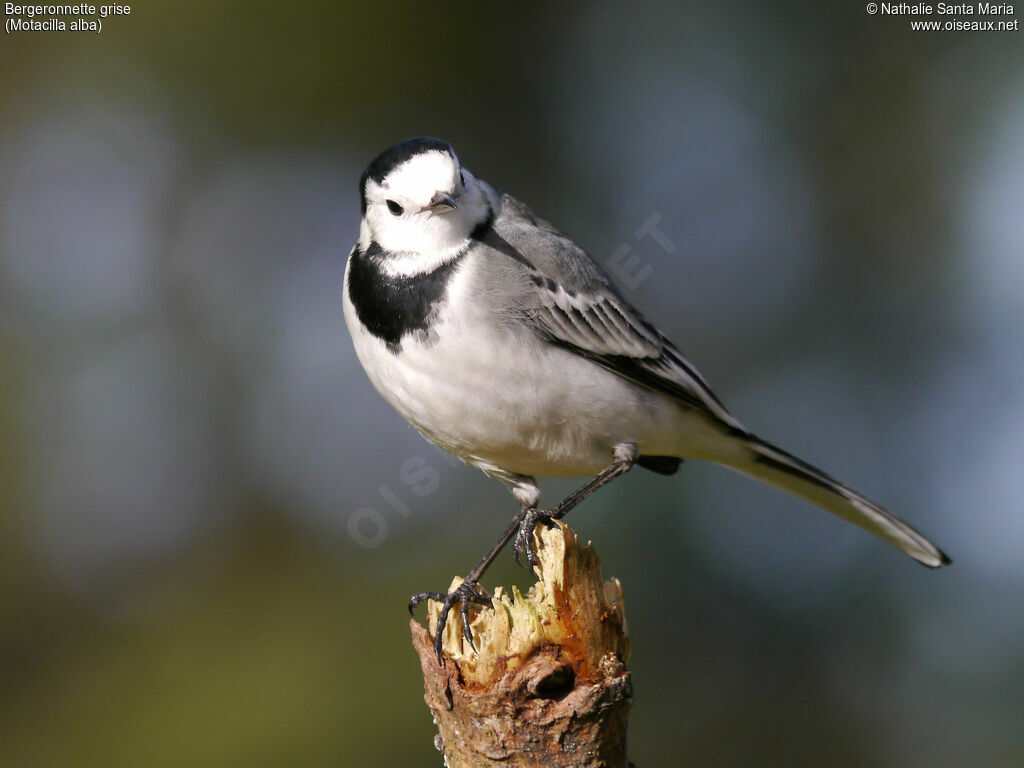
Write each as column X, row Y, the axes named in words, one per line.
column 603, row 327
column 571, row 302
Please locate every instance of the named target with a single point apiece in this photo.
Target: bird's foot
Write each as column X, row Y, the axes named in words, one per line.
column 523, row 544
column 466, row 594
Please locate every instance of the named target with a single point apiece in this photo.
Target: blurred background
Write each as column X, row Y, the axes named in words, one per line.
column 210, row 522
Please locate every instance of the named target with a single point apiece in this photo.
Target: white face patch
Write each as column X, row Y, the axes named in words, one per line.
column 418, row 179
column 417, row 238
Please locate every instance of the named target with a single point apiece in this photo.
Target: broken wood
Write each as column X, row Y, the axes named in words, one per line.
column 549, row 686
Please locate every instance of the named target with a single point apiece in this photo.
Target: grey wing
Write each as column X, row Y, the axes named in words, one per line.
column 604, row 328
column 573, row 304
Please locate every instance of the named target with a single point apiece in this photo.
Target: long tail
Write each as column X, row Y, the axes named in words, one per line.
column 785, row 471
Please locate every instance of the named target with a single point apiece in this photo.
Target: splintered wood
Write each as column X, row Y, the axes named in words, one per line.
column 548, row 686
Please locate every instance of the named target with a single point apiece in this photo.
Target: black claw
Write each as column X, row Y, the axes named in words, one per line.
column 442, row 620
column 465, row 595
column 419, row 597
column 523, row 544
column 465, row 625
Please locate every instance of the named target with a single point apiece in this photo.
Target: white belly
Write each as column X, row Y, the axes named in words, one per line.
column 500, row 398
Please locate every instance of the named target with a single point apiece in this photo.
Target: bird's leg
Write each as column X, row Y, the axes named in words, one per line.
column 625, row 457
column 468, row 592
column 521, row 527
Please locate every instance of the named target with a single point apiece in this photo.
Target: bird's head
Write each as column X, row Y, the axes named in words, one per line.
column 418, row 200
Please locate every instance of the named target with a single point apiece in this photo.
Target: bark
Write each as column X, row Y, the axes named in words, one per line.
column 549, row 686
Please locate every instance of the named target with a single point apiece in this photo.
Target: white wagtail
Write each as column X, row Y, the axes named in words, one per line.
column 503, row 342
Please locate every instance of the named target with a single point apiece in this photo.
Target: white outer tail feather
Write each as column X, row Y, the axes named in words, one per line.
column 776, row 467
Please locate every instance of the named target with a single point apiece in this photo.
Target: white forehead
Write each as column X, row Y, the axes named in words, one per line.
column 419, row 177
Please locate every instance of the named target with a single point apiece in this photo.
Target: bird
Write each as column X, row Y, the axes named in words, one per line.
column 503, row 342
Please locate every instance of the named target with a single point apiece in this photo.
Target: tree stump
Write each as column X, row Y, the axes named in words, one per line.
column 549, row 686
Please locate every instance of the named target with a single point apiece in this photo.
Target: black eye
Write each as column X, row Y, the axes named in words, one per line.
column 462, row 179
column 394, row 207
